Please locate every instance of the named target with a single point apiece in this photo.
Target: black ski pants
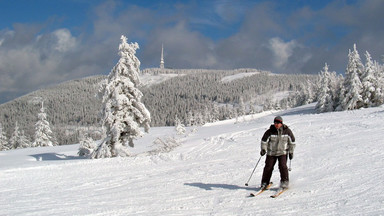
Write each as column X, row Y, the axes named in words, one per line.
column 270, row 162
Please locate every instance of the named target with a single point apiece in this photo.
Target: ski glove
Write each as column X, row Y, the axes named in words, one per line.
column 290, row 156
column 262, row 152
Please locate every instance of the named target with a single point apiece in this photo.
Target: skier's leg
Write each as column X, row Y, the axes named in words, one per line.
column 284, row 175
column 270, row 162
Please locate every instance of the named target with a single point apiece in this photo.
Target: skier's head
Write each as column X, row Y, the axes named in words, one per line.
column 278, row 122
column 278, row 119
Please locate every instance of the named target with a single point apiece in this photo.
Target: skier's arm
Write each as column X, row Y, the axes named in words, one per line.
column 291, row 142
column 264, row 140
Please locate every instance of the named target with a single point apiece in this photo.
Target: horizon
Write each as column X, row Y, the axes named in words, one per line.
column 44, row 43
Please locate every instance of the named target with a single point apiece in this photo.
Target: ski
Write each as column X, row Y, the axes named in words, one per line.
column 279, row 192
column 261, row 190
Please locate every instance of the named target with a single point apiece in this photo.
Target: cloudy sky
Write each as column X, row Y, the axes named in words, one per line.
column 45, row 42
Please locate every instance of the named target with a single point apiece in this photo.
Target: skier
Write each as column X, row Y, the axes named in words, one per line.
column 277, row 142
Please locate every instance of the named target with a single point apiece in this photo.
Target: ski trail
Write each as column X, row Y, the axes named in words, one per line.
column 336, row 171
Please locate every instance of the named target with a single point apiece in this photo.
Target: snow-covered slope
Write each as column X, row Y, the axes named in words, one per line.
column 337, row 170
column 237, row 76
column 150, row 79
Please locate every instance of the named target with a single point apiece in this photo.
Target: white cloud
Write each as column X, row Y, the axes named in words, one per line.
column 65, row 41
column 26, row 65
column 281, row 50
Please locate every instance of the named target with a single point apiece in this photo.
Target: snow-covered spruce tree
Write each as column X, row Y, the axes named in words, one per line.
column 241, row 108
column 215, row 113
column 123, row 111
column 336, row 87
column 14, row 141
column 24, row 141
column 371, row 86
column 87, row 145
column 334, row 83
column 325, row 99
column 3, row 140
column 379, row 97
column 359, row 66
column 179, row 127
column 43, row 132
column 351, row 98
column 305, row 94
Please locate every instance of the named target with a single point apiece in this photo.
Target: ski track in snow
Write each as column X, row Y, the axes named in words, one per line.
column 337, row 170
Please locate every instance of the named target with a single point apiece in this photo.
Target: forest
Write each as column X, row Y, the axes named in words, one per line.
column 195, row 96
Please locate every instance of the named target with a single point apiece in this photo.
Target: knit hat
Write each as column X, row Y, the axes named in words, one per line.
column 278, row 119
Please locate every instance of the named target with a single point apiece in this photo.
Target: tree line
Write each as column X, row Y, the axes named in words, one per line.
column 362, row 86
column 72, row 107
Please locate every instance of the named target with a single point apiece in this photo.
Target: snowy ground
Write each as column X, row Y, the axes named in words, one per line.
column 150, row 79
column 337, row 170
column 231, row 78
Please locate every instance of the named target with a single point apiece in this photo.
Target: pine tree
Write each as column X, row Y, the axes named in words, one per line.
column 43, row 132
column 3, row 139
column 179, row 127
column 241, row 108
column 357, row 63
column 216, row 113
column 304, row 95
column 372, row 91
column 124, row 113
column 14, row 141
column 24, row 141
column 338, row 84
column 325, row 99
column 190, row 119
column 87, row 145
column 353, row 88
column 379, row 93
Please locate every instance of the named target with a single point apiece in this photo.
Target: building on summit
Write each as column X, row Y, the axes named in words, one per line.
column 162, row 57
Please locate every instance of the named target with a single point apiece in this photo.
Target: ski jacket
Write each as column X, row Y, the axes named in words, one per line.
column 278, row 142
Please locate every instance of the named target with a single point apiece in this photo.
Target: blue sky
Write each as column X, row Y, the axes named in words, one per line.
column 45, row 42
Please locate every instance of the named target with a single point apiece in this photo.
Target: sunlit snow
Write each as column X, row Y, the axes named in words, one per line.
column 337, row 170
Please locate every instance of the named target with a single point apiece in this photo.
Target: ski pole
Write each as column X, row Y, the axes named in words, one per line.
column 246, row 184
column 289, row 169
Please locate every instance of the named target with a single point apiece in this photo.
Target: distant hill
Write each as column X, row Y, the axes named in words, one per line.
column 196, row 96
column 68, row 105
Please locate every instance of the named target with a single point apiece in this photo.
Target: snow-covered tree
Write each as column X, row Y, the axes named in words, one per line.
column 87, row 145
column 43, row 132
column 24, row 141
column 357, row 64
column 325, row 97
column 179, row 127
column 379, row 97
column 124, row 113
column 353, row 87
column 191, row 119
column 241, row 108
column 215, row 113
column 14, row 141
column 338, row 90
column 371, row 84
column 305, row 94
column 3, row 139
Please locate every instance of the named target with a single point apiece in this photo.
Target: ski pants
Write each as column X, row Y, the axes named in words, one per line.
column 270, row 162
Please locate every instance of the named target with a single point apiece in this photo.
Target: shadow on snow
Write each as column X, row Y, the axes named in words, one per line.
column 224, row 186
column 55, row 156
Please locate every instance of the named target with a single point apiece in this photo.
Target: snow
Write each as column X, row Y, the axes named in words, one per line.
column 150, row 79
column 237, row 76
column 337, row 170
